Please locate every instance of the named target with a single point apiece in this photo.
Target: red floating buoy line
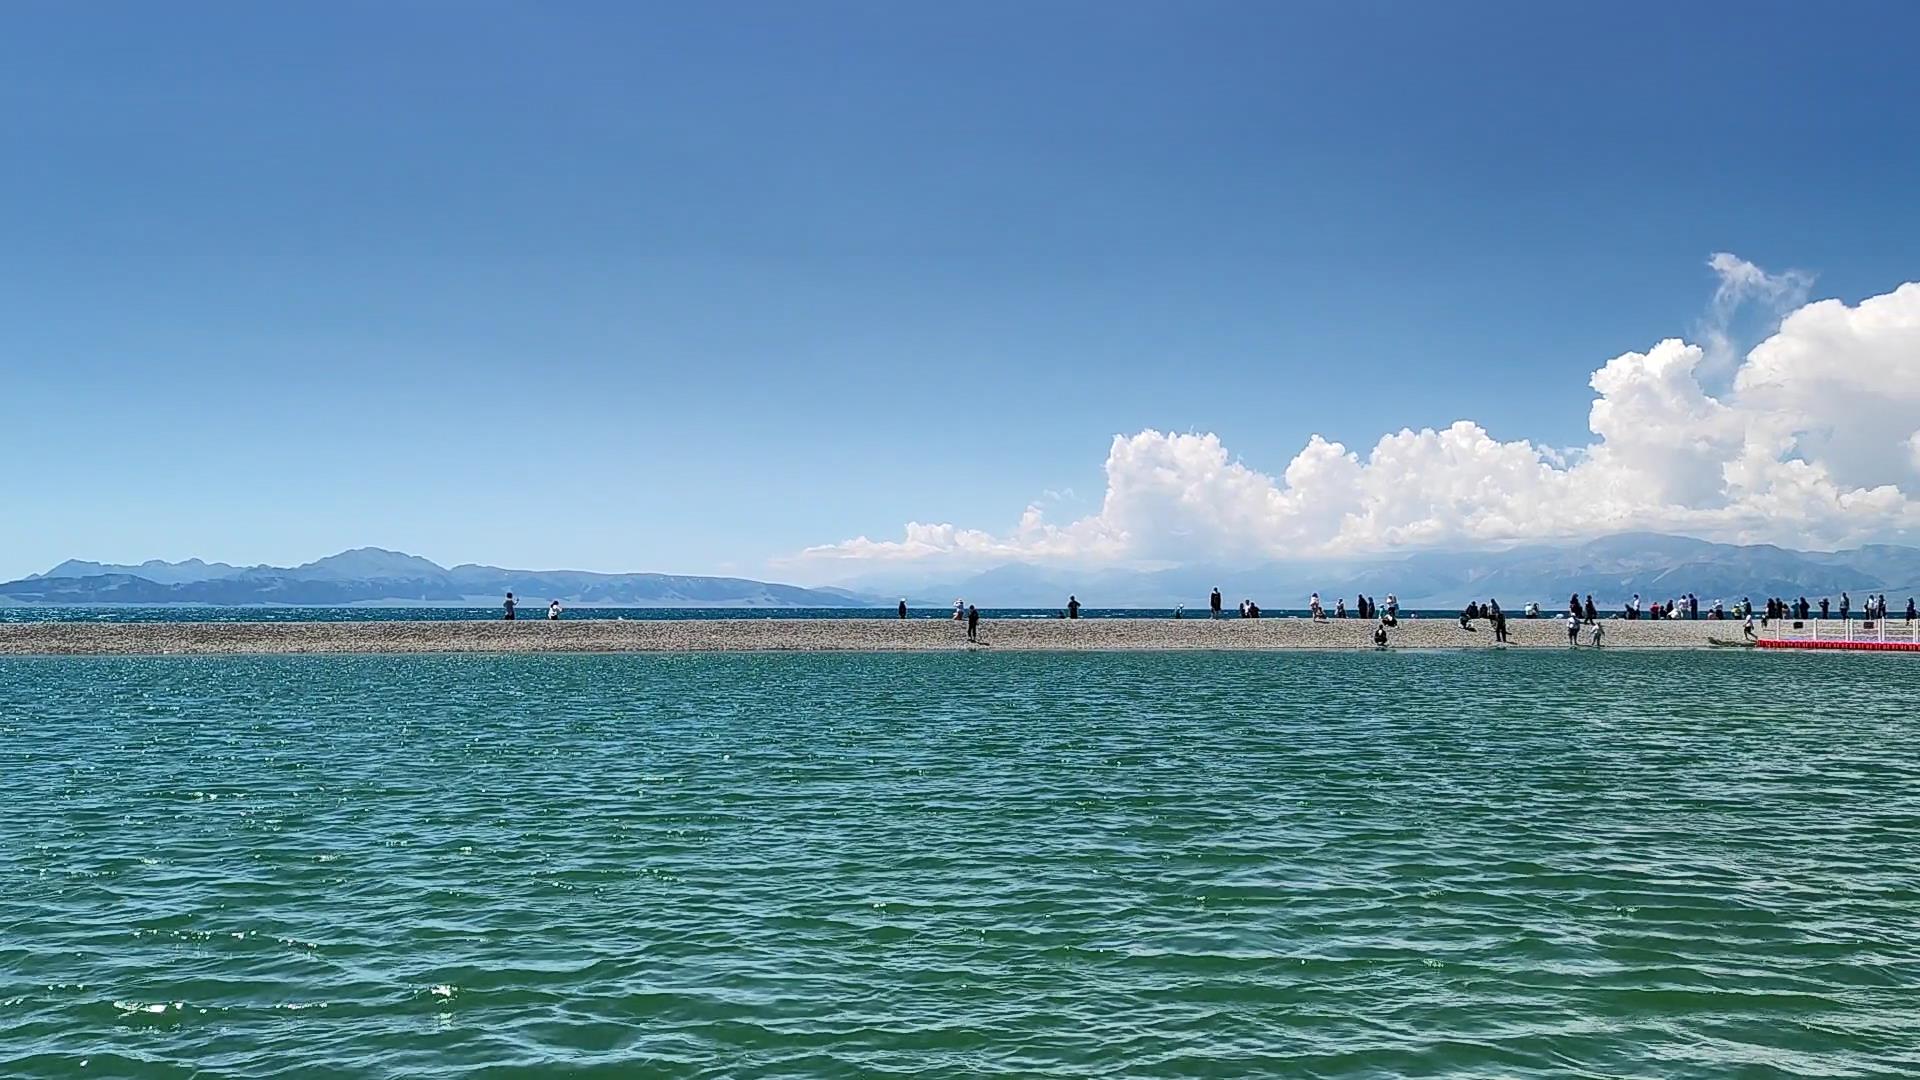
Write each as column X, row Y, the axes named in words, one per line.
column 1873, row 635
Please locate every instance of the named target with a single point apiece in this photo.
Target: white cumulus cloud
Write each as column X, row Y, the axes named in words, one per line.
column 1815, row 443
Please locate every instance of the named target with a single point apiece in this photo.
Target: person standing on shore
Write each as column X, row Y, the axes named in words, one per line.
column 959, row 610
column 509, row 606
column 1633, row 607
column 1598, row 630
column 1393, row 605
column 553, row 611
column 973, row 623
column 903, row 608
column 1846, row 604
column 1911, row 613
column 1824, row 610
column 1747, row 626
column 1573, row 630
column 1593, row 613
column 1693, row 606
column 1213, row 602
column 1499, row 626
column 1073, row 607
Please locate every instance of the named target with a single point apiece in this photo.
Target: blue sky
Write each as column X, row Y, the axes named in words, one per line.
column 692, row 287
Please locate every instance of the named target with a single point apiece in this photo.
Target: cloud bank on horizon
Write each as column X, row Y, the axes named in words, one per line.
column 1815, row 443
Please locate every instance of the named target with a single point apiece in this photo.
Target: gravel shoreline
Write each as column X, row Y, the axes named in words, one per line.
column 823, row 635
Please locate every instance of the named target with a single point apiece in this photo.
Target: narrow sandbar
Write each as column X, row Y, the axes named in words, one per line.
column 818, row 635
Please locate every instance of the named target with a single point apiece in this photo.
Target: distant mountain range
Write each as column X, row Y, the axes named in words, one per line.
column 1611, row 568
column 376, row 576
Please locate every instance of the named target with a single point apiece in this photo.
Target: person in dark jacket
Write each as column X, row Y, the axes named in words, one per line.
column 973, row 623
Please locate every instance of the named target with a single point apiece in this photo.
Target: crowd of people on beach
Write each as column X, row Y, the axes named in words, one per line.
column 1581, row 613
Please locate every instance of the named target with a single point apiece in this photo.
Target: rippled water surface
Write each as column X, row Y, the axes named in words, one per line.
column 1364, row 865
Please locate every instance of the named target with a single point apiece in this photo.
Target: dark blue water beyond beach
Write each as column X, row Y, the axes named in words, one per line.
column 753, row 865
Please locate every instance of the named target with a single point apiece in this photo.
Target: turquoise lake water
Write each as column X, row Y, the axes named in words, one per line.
column 1317, row 865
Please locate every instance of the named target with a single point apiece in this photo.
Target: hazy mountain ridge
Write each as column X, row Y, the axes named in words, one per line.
column 377, row 576
column 154, row 570
column 1611, row 568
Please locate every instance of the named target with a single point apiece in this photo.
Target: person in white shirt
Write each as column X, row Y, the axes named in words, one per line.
column 553, row 611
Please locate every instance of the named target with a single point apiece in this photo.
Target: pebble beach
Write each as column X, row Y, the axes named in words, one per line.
column 824, row 635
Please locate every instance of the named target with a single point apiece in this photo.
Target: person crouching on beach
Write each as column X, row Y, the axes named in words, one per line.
column 553, row 610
